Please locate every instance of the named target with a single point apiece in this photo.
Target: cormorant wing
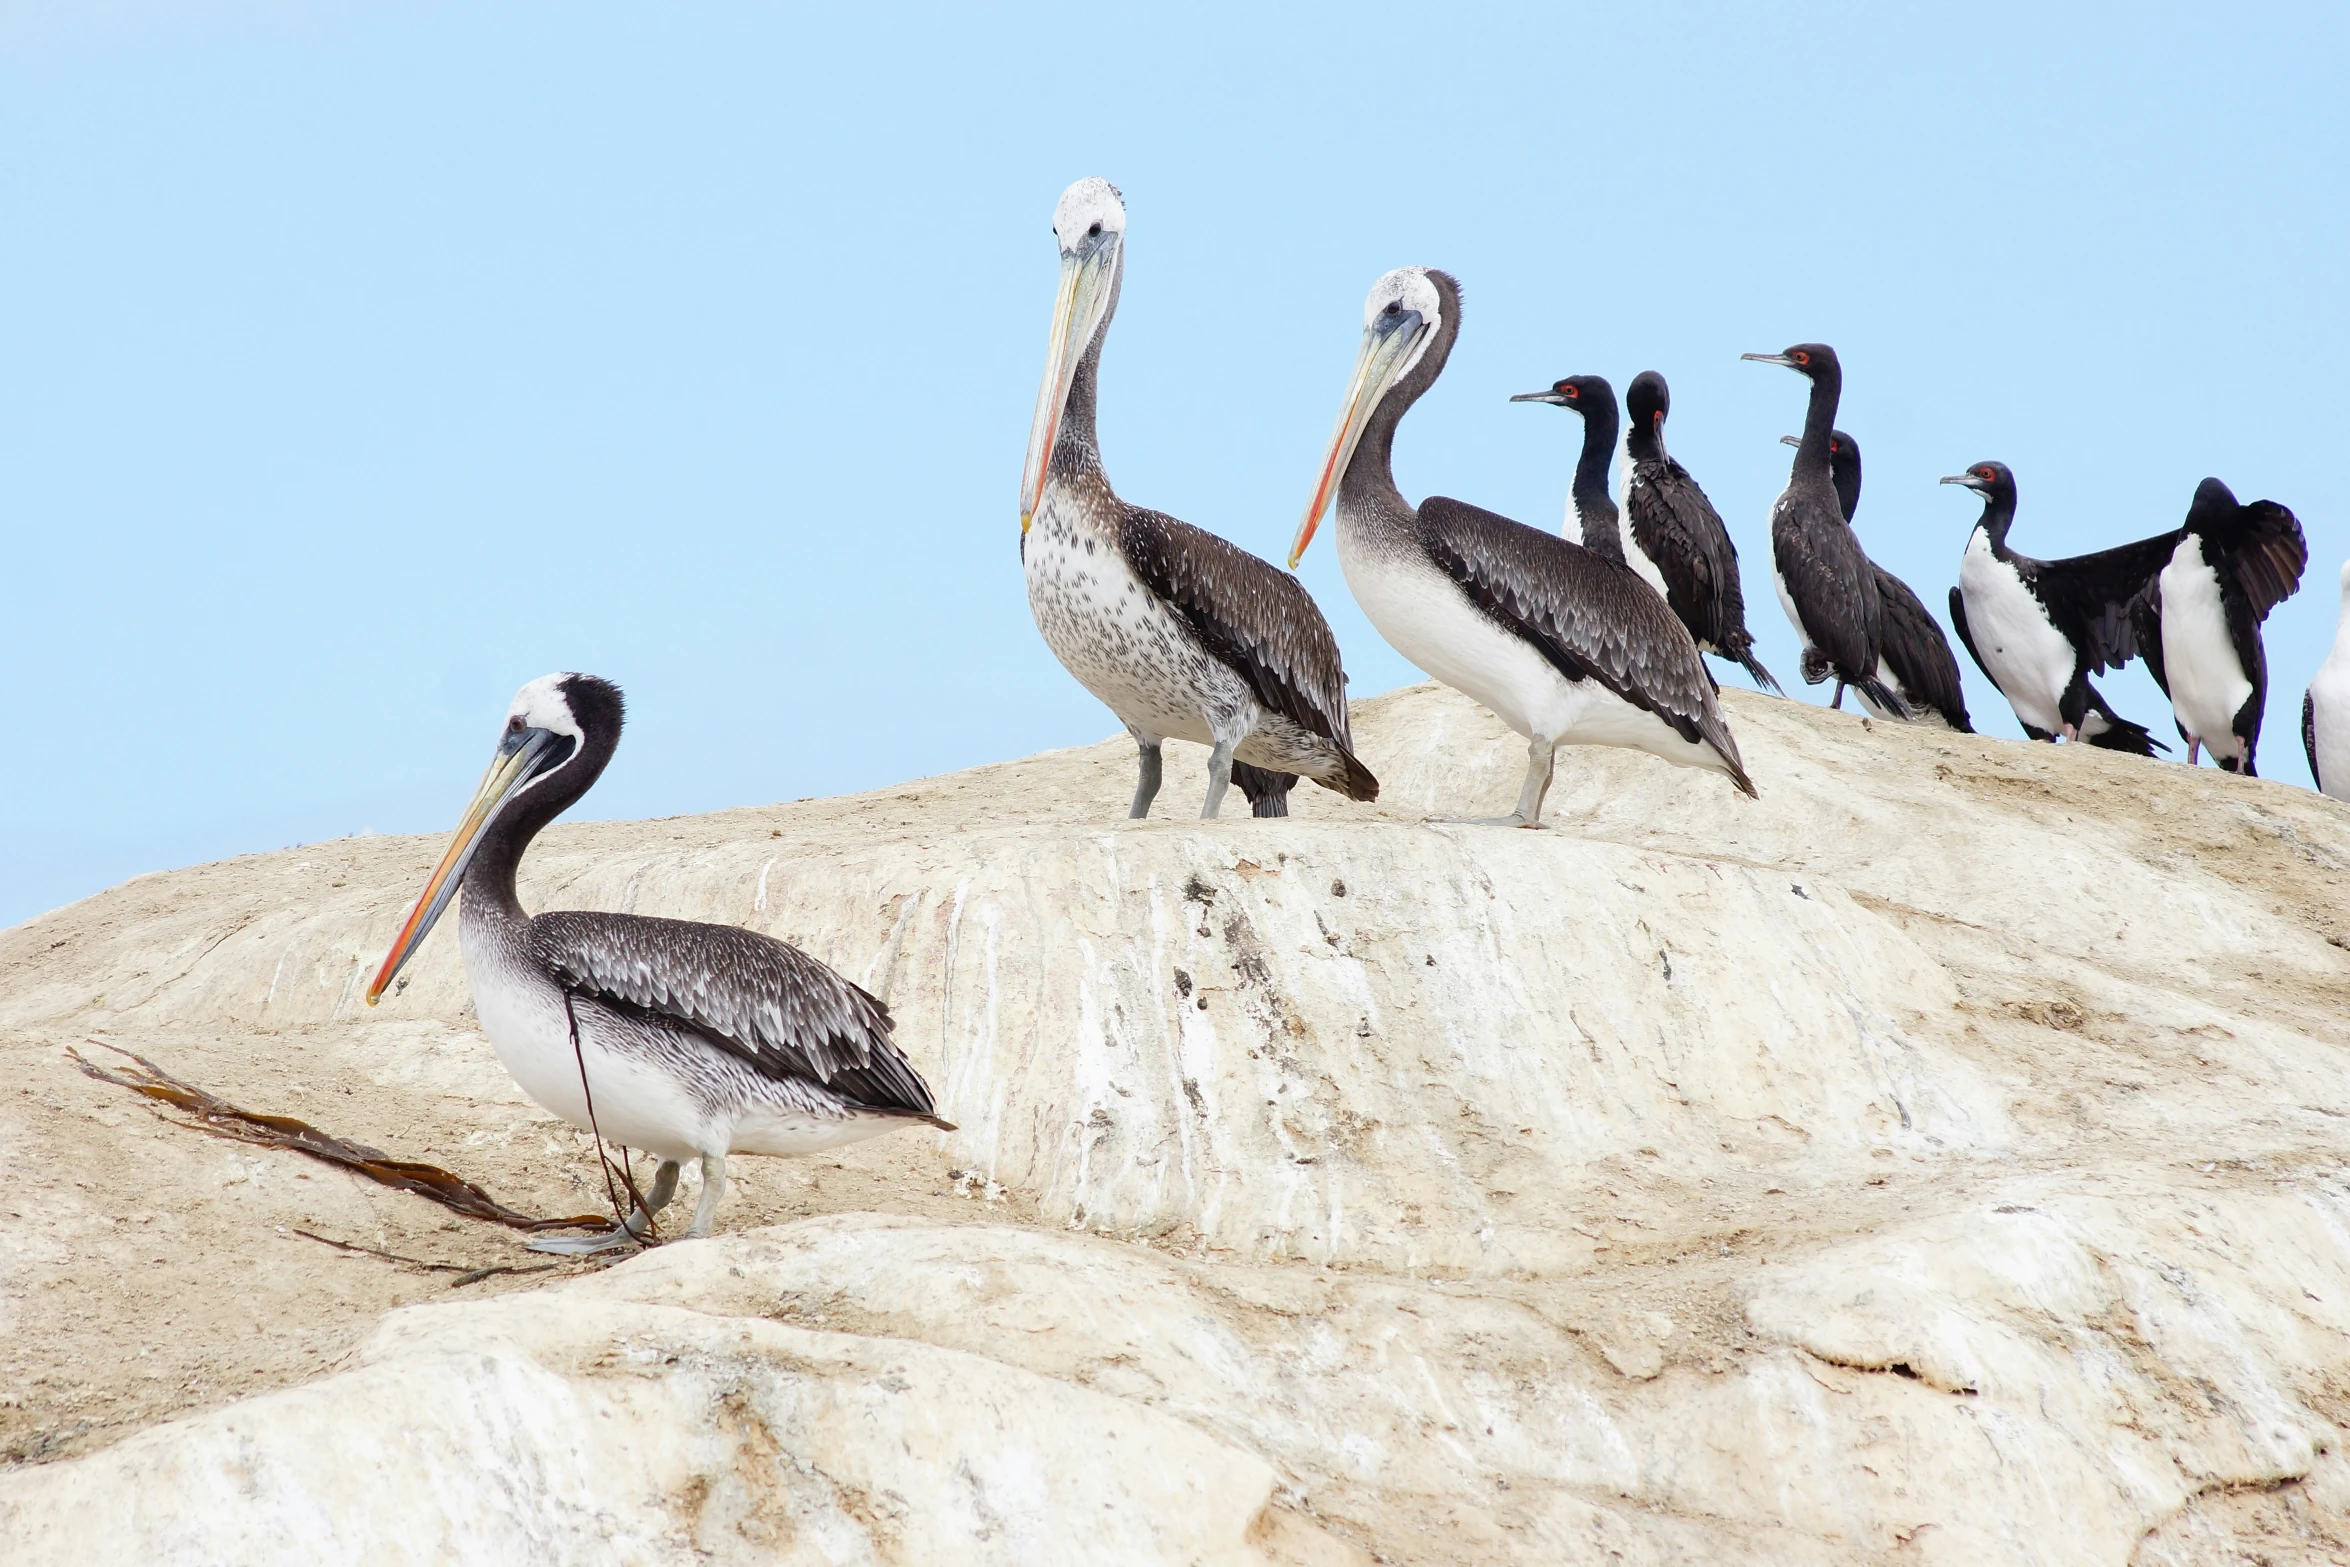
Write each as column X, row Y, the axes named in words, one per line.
column 2146, row 627
column 1911, row 642
column 1591, row 618
column 1958, row 622
column 2089, row 596
column 2267, row 553
column 2309, row 737
column 1254, row 616
column 1827, row 566
column 1678, row 528
column 762, row 999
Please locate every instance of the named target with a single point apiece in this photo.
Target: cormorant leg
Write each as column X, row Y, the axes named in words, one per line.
column 1837, row 701
column 2072, row 731
column 629, row 1233
column 713, row 1187
column 1540, row 755
column 1146, row 783
column 2194, row 749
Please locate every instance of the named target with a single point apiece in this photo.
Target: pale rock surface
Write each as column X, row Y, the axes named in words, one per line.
column 1945, row 1158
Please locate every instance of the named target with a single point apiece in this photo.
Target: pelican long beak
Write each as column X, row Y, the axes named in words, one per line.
column 1770, row 359
column 1385, row 354
column 1086, row 278
column 516, row 764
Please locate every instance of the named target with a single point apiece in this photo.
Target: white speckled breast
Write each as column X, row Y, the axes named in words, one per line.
column 1116, row 636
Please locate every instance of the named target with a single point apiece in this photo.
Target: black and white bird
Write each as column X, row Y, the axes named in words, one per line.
column 2325, row 710
column 1824, row 579
column 1674, row 539
column 1564, row 645
column 685, row 1040
column 2198, row 621
column 1913, row 657
column 2041, row 628
column 1181, row 634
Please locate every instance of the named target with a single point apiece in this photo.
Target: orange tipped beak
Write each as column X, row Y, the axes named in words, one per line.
column 514, row 767
column 1078, row 305
column 1385, row 351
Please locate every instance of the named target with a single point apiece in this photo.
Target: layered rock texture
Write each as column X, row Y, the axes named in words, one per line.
column 1945, row 1158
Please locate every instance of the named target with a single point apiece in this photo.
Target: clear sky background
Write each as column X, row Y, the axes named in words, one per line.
column 359, row 362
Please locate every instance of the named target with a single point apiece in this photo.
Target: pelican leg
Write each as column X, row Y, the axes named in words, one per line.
column 713, row 1188
column 630, row 1233
column 1219, row 772
column 1146, row 782
column 2194, row 748
column 1541, row 756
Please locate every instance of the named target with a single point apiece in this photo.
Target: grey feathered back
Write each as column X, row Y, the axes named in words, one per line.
column 765, row 1000
column 1254, row 616
column 1592, row 618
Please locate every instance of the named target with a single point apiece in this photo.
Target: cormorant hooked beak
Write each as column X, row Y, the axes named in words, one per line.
column 1388, row 350
column 1088, row 275
column 1772, row 359
column 1556, row 399
column 1969, row 480
column 1797, row 440
column 524, row 755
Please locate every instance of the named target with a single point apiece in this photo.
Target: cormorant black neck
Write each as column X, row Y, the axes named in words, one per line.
column 1819, row 425
column 2213, row 509
column 1998, row 516
column 1595, row 509
column 1369, row 480
column 491, row 875
column 1644, row 407
column 1844, row 472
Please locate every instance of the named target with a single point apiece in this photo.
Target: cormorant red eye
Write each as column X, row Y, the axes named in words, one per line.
column 1803, row 359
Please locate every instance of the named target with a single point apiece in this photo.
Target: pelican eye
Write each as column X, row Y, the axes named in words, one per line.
column 1096, row 231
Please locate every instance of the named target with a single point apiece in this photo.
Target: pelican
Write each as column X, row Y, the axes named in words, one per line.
column 1564, row 645
column 685, row 1040
column 1178, row 632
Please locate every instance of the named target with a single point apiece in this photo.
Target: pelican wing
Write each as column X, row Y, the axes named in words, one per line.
column 762, row 999
column 1258, row 619
column 1591, row 618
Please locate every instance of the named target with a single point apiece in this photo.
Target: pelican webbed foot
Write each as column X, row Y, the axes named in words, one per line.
column 627, row 1235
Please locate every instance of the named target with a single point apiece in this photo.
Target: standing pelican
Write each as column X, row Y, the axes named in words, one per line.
column 682, row 1039
column 1178, row 632
column 1564, row 645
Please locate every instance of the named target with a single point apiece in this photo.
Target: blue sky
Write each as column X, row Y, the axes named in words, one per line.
column 359, row 362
